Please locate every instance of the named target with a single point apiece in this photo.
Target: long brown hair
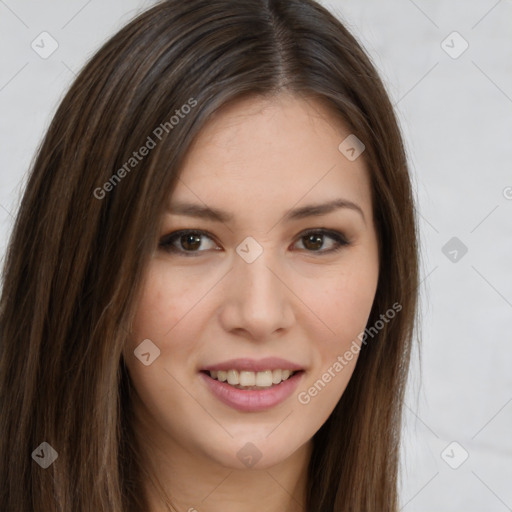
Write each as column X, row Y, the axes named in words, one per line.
column 85, row 231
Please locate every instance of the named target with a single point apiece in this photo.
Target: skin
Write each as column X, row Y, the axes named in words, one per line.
column 256, row 159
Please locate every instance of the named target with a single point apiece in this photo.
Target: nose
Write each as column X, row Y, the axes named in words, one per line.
column 257, row 301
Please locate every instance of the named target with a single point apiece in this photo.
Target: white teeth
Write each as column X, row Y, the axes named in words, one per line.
column 233, row 377
column 264, row 379
column 249, row 379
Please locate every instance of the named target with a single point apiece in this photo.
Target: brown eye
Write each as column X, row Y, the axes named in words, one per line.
column 314, row 240
column 185, row 241
column 190, row 242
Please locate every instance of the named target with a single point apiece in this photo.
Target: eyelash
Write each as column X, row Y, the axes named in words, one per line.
column 167, row 241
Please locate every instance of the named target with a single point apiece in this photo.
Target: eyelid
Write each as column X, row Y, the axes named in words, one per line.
column 338, row 236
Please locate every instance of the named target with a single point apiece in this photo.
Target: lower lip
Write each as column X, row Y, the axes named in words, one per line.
column 253, row 400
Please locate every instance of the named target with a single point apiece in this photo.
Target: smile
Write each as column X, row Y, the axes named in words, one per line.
column 251, row 380
column 248, row 391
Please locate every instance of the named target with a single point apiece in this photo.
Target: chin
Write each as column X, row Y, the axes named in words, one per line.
column 257, row 451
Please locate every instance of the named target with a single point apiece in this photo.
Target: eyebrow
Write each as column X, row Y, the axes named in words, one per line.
column 312, row 210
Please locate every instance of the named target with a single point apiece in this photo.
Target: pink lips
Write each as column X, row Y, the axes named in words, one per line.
column 251, row 400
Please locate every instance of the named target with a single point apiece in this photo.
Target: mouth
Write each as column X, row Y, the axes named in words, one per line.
column 249, row 391
column 251, row 381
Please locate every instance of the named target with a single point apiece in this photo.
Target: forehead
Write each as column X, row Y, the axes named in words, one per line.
column 272, row 152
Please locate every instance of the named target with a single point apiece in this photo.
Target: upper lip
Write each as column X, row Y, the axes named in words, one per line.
column 253, row 365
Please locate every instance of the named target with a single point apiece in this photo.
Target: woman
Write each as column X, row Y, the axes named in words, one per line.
column 266, row 369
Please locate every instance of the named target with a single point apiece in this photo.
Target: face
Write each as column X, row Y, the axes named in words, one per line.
column 248, row 283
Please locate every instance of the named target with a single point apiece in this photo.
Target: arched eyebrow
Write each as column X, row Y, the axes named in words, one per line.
column 217, row 215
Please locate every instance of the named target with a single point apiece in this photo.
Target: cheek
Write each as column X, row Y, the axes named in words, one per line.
column 161, row 317
column 171, row 313
column 342, row 300
column 350, row 303
column 154, row 315
column 166, row 299
column 344, row 306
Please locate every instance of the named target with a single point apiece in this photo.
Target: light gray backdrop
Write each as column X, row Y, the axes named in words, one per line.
column 448, row 68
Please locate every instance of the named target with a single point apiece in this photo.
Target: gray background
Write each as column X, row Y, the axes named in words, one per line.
column 456, row 114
